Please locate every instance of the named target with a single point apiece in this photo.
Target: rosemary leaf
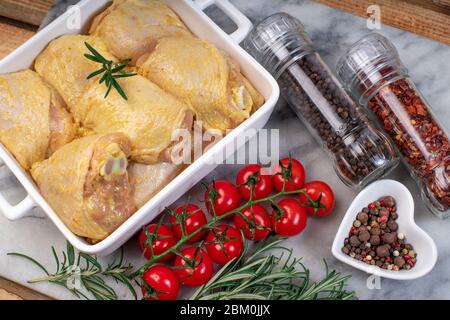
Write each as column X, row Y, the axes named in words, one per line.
column 30, row 259
column 118, row 68
column 96, row 54
column 118, row 88
column 92, row 260
column 91, row 57
column 124, row 75
column 109, row 84
column 96, row 73
column 70, row 254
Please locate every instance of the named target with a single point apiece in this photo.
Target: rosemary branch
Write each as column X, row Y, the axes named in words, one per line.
column 270, row 277
column 111, row 71
column 83, row 270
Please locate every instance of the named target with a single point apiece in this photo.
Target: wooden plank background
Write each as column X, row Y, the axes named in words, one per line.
column 19, row 20
column 12, row 291
column 28, row 11
column 422, row 17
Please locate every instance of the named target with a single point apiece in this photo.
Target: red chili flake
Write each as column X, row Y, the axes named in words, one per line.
column 384, row 219
column 388, row 259
column 406, row 257
column 423, row 144
column 410, row 262
column 372, row 206
column 408, row 100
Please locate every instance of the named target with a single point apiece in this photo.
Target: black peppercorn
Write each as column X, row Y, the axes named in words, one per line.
column 392, row 225
column 382, row 251
column 363, row 217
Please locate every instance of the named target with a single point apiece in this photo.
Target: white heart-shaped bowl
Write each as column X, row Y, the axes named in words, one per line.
column 423, row 245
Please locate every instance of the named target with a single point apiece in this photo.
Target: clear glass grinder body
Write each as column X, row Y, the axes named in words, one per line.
column 374, row 74
column 360, row 153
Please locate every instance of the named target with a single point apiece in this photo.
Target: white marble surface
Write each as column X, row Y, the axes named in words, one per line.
column 332, row 32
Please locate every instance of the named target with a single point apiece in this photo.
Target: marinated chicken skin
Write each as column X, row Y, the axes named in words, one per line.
column 63, row 65
column 148, row 180
column 86, row 183
column 196, row 70
column 89, row 182
column 34, row 121
column 154, row 37
column 149, row 117
column 130, row 27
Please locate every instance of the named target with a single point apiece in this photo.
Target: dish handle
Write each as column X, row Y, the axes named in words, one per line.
column 243, row 24
column 17, row 211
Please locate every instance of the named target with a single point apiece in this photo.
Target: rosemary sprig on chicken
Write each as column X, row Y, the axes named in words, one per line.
column 111, row 71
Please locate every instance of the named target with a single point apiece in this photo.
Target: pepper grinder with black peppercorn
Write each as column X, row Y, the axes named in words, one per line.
column 361, row 153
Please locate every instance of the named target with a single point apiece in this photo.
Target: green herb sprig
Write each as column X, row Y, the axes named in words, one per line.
column 111, row 71
column 263, row 276
column 88, row 271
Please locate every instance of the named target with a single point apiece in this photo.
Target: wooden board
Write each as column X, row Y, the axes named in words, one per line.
column 28, row 11
column 13, row 34
column 422, row 17
column 12, row 291
column 445, row 3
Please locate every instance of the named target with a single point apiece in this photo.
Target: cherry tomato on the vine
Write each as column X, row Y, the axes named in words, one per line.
column 162, row 282
column 262, row 184
column 292, row 220
column 195, row 269
column 224, row 243
column 194, row 218
column 290, row 170
column 258, row 223
column 162, row 241
column 224, row 195
column 316, row 190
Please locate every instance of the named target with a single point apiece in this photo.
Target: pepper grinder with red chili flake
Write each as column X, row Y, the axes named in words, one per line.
column 373, row 73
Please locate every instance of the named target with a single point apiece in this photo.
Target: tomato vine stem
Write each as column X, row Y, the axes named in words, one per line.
column 215, row 219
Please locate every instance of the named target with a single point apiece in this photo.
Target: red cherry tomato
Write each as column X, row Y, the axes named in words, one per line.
column 314, row 190
column 162, row 281
column 262, row 186
column 224, row 243
column 294, row 181
column 198, row 268
column 162, row 241
column 259, row 222
column 194, row 219
column 225, row 197
column 292, row 220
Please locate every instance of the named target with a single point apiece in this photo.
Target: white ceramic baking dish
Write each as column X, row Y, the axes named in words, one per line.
column 191, row 12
